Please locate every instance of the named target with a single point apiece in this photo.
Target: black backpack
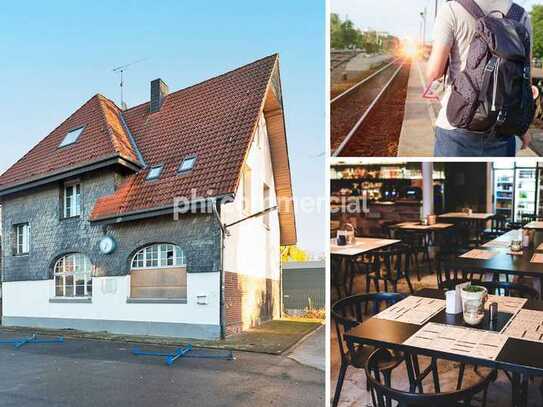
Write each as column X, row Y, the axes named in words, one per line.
column 493, row 93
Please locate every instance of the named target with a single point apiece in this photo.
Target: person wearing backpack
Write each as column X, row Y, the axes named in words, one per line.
column 483, row 49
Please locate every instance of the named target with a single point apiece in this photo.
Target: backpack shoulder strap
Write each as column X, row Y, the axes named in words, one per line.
column 472, row 8
column 516, row 13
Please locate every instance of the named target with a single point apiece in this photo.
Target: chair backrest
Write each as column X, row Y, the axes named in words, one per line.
column 510, row 289
column 350, row 312
column 499, row 223
column 527, row 218
column 394, row 258
column 449, row 275
column 383, row 394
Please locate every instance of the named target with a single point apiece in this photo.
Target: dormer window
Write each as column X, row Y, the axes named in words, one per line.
column 154, row 172
column 71, row 137
column 187, row 164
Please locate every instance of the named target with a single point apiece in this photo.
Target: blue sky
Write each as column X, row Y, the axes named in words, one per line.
column 399, row 17
column 56, row 55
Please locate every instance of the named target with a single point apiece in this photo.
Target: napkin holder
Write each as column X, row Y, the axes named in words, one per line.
column 454, row 299
column 348, row 232
column 453, row 302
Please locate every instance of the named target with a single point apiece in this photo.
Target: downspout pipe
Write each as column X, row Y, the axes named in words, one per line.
column 216, row 205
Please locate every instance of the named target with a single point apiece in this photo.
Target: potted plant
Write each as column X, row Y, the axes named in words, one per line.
column 473, row 304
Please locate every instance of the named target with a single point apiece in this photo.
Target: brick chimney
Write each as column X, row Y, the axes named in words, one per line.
column 159, row 90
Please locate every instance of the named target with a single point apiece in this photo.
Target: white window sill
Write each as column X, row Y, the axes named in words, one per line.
column 71, row 300
column 156, row 300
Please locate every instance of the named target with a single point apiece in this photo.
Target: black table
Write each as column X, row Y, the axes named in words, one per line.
column 519, row 357
column 504, row 263
column 347, row 255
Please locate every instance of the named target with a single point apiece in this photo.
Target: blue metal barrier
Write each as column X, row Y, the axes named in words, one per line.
column 171, row 357
column 20, row 342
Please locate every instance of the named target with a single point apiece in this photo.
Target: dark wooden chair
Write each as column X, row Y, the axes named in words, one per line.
column 527, row 218
column 383, row 394
column 498, row 227
column 350, row 312
column 390, row 265
column 419, row 242
column 449, row 275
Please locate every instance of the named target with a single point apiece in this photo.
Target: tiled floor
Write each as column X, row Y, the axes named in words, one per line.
column 354, row 392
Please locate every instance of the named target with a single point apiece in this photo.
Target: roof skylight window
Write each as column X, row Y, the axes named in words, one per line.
column 71, row 137
column 187, row 164
column 154, row 172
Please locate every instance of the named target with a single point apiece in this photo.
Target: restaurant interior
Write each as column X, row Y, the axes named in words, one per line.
column 436, row 278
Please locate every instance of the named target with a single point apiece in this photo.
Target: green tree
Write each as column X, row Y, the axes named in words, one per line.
column 293, row 254
column 336, row 34
column 537, row 24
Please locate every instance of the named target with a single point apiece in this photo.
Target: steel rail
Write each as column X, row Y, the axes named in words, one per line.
column 351, row 133
column 373, row 75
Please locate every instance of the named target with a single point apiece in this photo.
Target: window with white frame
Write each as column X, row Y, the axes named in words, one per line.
column 159, row 256
column 72, row 200
column 73, row 276
column 159, row 271
column 22, row 239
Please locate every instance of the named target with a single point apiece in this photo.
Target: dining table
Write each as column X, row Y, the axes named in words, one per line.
column 528, row 262
column 536, row 225
column 346, row 256
column 478, row 216
column 522, row 357
column 473, row 222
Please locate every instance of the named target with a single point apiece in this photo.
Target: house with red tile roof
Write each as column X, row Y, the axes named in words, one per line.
column 162, row 219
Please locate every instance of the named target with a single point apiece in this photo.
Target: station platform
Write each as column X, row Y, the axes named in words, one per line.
column 417, row 135
column 418, row 129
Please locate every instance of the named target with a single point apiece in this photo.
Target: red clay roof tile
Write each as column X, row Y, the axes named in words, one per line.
column 213, row 120
column 103, row 136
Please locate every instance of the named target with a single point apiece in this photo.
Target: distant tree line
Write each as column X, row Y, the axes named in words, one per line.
column 344, row 35
column 537, row 24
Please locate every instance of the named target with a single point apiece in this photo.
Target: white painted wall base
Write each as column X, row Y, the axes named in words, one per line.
column 30, row 300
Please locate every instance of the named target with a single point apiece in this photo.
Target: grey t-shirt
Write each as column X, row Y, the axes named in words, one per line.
column 455, row 27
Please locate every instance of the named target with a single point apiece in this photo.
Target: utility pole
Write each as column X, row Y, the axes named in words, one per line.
column 435, row 15
column 423, row 16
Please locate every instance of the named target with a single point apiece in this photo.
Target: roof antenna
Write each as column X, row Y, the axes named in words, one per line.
column 121, row 70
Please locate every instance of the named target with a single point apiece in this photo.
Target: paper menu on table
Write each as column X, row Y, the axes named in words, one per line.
column 537, row 258
column 510, row 305
column 479, row 254
column 458, row 340
column 413, row 310
column 527, row 325
column 500, row 244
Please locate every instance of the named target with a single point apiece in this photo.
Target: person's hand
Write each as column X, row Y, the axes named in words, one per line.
column 535, row 92
column 526, row 139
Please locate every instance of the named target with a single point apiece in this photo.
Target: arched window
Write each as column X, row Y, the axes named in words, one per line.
column 73, row 276
column 159, row 256
column 159, row 271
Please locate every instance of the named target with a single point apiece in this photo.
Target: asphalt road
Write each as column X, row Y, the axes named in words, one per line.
column 95, row 373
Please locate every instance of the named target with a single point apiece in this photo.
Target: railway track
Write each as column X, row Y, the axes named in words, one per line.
column 366, row 119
